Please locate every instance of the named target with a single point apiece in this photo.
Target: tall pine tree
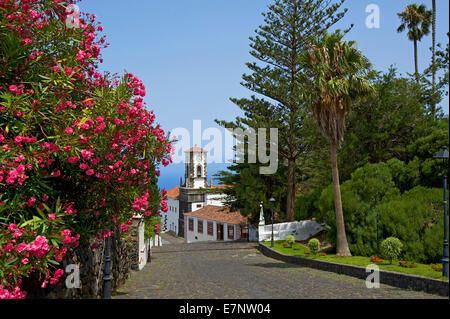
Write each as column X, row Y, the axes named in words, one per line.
column 290, row 25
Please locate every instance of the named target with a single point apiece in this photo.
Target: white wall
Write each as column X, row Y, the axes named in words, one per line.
column 191, row 236
column 215, row 199
column 195, row 236
column 172, row 215
column 194, row 206
column 302, row 230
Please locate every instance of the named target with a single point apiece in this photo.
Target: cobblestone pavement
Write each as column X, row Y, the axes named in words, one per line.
column 239, row 271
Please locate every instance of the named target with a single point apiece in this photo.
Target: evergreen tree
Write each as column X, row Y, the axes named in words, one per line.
column 290, row 25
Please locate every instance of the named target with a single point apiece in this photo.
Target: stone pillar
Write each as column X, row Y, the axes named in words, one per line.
column 262, row 224
column 139, row 248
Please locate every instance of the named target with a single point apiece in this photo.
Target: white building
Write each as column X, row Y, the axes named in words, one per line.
column 214, row 223
column 170, row 219
column 189, row 197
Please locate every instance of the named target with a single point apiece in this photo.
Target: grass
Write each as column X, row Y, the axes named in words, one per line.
column 299, row 250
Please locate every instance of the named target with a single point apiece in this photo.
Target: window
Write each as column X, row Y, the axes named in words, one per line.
column 200, row 226
column 210, row 228
column 199, row 205
column 199, row 171
column 191, row 224
column 230, row 231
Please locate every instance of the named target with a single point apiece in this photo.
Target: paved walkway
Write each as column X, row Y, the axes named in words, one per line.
column 238, row 270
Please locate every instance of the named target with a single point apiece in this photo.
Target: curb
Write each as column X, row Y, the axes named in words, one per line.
column 404, row 281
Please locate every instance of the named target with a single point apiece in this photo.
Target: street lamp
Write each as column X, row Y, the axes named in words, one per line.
column 107, row 277
column 444, row 157
column 272, row 200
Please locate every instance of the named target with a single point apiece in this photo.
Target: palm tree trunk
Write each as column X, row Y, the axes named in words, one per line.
column 290, row 201
column 433, row 60
column 416, row 65
column 342, row 249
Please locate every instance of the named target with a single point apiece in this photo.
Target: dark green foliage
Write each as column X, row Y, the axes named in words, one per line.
column 306, row 205
column 382, row 127
column 423, row 150
column 416, row 218
column 369, row 186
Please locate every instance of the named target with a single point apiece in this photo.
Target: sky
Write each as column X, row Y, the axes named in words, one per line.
column 191, row 54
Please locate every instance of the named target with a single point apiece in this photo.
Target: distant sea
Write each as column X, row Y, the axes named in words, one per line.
column 170, row 175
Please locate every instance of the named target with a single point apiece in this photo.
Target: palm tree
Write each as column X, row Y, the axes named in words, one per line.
column 338, row 73
column 417, row 20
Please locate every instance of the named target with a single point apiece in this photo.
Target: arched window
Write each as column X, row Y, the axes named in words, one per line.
column 199, row 171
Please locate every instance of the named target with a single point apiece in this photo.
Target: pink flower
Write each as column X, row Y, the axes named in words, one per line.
column 84, row 166
column 86, row 154
column 90, row 172
column 68, row 71
column 13, row 88
column 73, row 159
column 25, row 261
column 17, row 234
column 31, row 201
column 44, row 284
column 51, row 216
column 59, row 273
column 21, row 247
column 69, row 130
column 56, row 68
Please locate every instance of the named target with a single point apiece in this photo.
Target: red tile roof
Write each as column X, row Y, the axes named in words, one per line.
column 174, row 192
column 220, row 186
column 196, row 149
column 215, row 213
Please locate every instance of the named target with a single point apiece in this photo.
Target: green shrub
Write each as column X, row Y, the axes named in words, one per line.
column 415, row 218
column 314, row 245
column 369, row 186
column 437, row 267
column 391, row 248
column 290, row 240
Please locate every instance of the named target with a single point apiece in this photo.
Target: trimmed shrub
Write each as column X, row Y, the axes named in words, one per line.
column 314, row 245
column 290, row 240
column 391, row 248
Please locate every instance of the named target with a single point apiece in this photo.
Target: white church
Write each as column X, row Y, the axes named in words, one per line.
column 195, row 215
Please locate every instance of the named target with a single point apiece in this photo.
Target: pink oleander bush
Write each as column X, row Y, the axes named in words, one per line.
column 79, row 150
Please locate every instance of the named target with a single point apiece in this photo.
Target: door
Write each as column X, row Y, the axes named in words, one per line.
column 244, row 231
column 219, row 232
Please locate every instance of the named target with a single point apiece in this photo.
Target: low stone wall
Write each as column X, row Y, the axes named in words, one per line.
column 395, row 279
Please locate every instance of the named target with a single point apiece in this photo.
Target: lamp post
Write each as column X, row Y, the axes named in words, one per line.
column 444, row 157
column 378, row 234
column 107, row 277
column 272, row 200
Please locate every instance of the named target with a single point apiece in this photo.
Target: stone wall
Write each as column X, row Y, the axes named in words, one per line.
column 124, row 257
column 400, row 280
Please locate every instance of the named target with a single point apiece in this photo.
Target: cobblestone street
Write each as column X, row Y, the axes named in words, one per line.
column 239, row 271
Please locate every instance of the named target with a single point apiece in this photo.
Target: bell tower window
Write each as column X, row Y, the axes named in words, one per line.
column 199, row 171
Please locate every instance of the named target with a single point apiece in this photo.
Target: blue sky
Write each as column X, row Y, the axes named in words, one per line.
column 191, row 54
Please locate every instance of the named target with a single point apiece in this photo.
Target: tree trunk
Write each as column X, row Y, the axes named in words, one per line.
column 290, row 201
column 416, row 65
column 433, row 60
column 342, row 249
